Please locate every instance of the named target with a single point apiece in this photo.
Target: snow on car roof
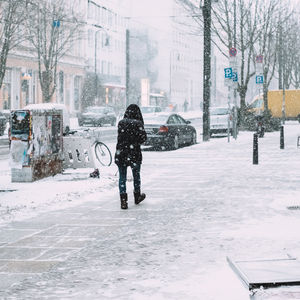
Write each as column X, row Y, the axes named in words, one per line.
column 156, row 118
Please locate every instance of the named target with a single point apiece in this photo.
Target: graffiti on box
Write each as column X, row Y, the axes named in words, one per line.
column 34, row 136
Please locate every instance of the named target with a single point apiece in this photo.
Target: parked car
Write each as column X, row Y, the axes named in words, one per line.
column 6, row 113
column 219, row 117
column 98, row 116
column 150, row 109
column 3, row 122
column 168, row 130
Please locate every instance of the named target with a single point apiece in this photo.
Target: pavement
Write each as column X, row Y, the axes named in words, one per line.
column 204, row 203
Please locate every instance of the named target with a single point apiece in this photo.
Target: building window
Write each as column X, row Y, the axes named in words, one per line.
column 90, row 38
column 61, row 86
column 6, row 90
column 34, row 76
column 76, row 92
column 109, row 69
column 104, row 67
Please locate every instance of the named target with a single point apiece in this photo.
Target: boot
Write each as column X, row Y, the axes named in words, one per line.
column 124, row 204
column 139, row 197
column 95, row 174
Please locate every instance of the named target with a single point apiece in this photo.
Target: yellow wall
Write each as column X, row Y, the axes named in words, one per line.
column 292, row 103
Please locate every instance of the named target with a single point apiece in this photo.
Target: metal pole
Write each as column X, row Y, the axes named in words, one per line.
column 282, row 137
column 96, row 76
column 234, row 24
column 255, row 149
column 280, row 54
column 228, row 121
column 235, row 86
column 283, row 92
column 206, row 68
column 170, row 83
column 127, row 67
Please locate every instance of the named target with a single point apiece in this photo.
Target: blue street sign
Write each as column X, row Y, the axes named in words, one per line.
column 228, row 72
column 259, row 79
column 234, row 76
column 56, row 23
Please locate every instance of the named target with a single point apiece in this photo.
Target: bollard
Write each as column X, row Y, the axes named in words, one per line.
column 282, row 137
column 255, row 149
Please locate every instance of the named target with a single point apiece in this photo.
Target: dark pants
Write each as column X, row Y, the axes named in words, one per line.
column 136, row 169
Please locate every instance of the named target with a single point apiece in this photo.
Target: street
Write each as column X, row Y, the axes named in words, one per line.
column 4, row 151
column 204, row 203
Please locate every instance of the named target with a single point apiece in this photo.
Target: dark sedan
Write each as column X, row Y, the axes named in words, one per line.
column 168, row 131
column 98, row 116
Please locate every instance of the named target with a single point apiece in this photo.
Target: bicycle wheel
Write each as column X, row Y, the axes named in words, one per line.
column 103, row 154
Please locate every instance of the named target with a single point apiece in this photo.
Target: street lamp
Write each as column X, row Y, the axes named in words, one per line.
column 95, row 57
column 96, row 76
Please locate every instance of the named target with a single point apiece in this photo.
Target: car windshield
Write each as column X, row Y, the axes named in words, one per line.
column 147, row 110
column 156, row 119
column 219, row 111
column 95, row 110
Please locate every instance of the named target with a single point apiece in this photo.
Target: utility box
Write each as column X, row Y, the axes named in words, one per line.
column 36, row 143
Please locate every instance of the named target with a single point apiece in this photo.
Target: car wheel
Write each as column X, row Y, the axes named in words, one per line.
column 175, row 142
column 194, row 138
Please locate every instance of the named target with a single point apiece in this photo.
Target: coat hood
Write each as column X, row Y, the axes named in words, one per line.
column 133, row 112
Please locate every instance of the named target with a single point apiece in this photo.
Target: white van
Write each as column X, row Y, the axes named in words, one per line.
column 219, row 118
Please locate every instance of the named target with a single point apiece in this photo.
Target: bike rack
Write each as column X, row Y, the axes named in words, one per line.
column 78, row 152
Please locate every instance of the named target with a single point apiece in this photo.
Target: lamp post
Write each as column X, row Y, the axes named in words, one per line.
column 95, row 55
column 127, row 67
column 96, row 76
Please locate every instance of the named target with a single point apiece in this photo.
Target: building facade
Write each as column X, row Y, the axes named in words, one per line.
column 99, row 50
column 179, row 58
column 106, row 49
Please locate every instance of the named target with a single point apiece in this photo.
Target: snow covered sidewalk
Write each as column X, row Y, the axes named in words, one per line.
column 204, row 203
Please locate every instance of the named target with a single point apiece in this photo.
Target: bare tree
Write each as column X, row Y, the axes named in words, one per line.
column 12, row 15
column 290, row 51
column 267, row 45
column 238, row 26
column 233, row 26
column 294, row 41
column 52, row 29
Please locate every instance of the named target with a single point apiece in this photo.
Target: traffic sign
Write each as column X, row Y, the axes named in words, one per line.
column 234, row 76
column 259, row 59
column 259, row 79
column 232, row 51
column 56, row 23
column 228, row 72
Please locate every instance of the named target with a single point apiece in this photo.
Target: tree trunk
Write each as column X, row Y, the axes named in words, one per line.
column 242, row 93
column 265, row 92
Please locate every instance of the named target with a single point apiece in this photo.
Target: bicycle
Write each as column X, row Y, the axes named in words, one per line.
column 101, row 150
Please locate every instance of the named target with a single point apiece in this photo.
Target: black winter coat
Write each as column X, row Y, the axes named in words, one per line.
column 131, row 134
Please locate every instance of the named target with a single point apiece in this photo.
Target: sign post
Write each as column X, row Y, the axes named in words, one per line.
column 233, row 63
column 228, row 81
column 259, row 77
